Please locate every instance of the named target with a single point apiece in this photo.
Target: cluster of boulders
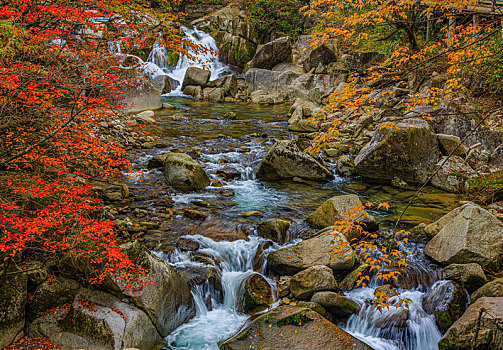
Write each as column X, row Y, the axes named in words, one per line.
column 197, row 84
column 55, row 302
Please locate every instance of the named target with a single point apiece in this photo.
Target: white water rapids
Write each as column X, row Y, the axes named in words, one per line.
column 212, row 325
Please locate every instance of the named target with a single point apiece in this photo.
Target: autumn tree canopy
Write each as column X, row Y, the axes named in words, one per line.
column 58, row 80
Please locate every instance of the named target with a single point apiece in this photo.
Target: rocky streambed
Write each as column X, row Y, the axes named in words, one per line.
column 244, row 247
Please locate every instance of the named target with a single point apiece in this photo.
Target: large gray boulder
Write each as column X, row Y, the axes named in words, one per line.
column 339, row 208
column 453, row 174
column 97, row 320
column 293, row 328
column 273, row 82
column 143, row 96
column 340, row 307
column 196, row 76
column 471, row 276
column 13, row 298
column 311, row 57
column 361, row 61
column 314, row 279
column 446, row 300
column 472, row 236
column 408, row 151
column 255, row 294
column 285, row 161
column 184, row 173
column 312, row 252
column 272, row 54
column 478, row 328
column 166, row 300
column 491, row 289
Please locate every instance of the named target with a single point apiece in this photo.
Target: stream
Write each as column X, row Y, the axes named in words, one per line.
column 200, row 129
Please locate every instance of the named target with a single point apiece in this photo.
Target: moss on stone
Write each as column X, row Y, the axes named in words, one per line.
column 297, row 319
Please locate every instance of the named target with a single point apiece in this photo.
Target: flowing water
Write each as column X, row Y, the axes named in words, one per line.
column 198, row 127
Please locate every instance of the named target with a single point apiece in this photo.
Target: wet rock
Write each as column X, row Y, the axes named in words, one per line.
column 491, row 289
column 255, row 294
column 145, row 117
column 276, row 330
column 252, row 213
column 409, row 152
column 219, row 230
column 472, row 236
column 183, row 172
column 311, row 252
column 361, row 61
column 471, row 276
column 351, row 280
column 228, row 173
column 394, row 317
column 194, row 91
column 227, row 193
column 13, row 299
column 187, row 244
column 214, row 94
column 345, row 166
column 227, row 83
column 284, row 286
column 446, row 300
column 275, row 230
column 339, row 208
column 286, row 161
column 451, row 143
column 314, row 279
column 207, row 277
column 97, row 320
column 453, row 174
column 194, row 214
column 195, row 77
column 272, row 53
column 478, row 328
column 338, row 306
column 388, row 290
column 313, row 306
column 260, row 256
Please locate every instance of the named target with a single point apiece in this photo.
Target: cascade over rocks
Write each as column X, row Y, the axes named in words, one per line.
column 115, row 317
column 300, row 329
column 446, row 300
column 478, row 328
column 472, row 236
column 184, row 173
column 314, row 279
column 411, row 151
column 312, row 252
column 338, row 208
column 271, row 54
column 219, row 230
column 285, row 161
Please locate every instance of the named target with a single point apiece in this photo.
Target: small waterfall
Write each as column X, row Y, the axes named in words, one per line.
column 212, row 325
column 203, row 53
column 390, row 329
